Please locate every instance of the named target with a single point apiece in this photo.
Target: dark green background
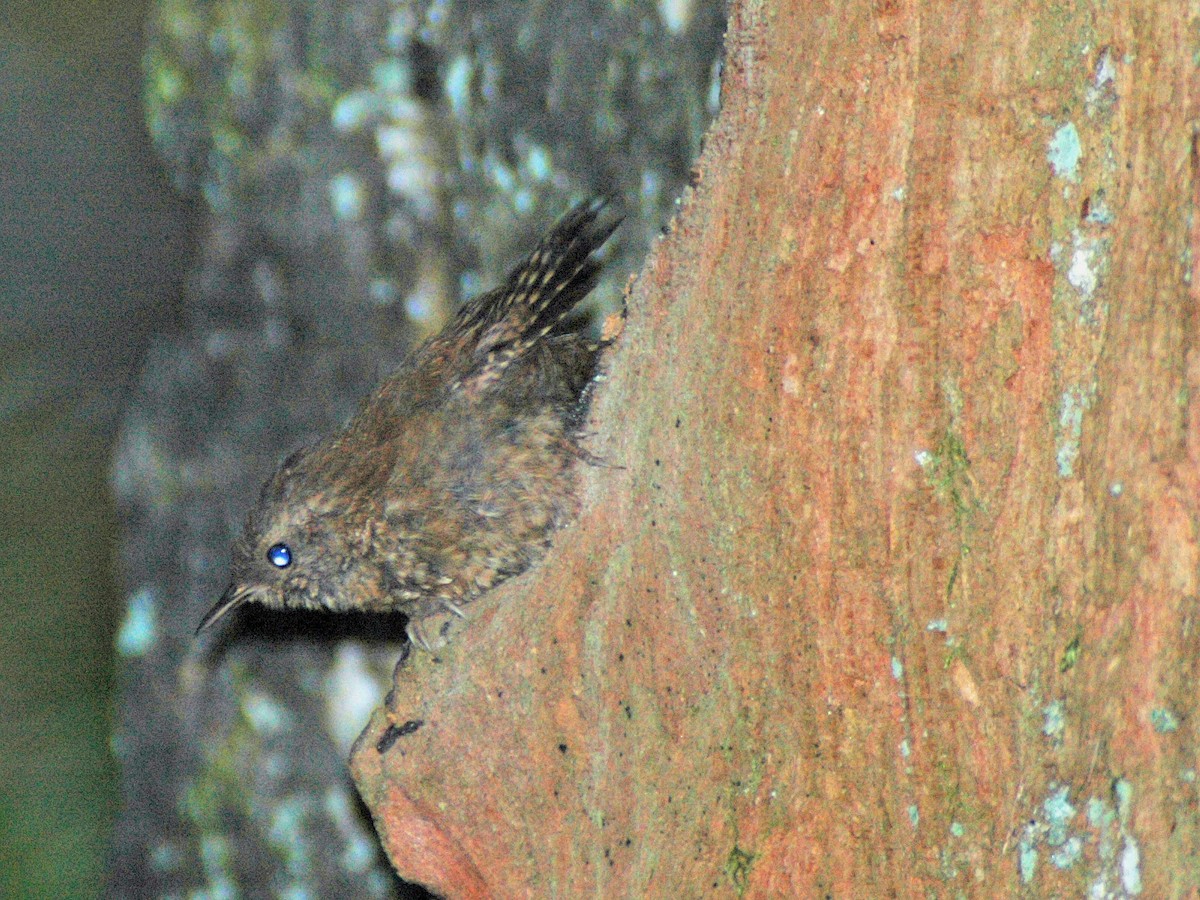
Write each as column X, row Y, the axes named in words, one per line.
column 91, row 256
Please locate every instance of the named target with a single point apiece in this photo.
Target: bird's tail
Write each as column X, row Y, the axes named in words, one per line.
column 503, row 324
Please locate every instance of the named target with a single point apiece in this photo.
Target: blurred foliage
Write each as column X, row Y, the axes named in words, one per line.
column 90, row 252
column 58, row 796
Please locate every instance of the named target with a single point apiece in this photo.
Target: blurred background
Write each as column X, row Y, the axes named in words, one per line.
column 92, row 253
column 328, row 178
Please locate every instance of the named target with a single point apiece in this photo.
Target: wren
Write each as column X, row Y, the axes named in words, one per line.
column 455, row 471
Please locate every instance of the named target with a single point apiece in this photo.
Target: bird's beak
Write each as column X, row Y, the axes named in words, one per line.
column 230, row 599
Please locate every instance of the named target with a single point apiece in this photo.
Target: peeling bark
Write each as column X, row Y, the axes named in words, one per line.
column 888, row 586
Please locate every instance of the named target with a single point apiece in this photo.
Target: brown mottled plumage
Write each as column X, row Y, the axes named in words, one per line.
column 455, row 471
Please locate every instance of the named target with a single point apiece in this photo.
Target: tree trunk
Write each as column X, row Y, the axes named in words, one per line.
column 885, row 583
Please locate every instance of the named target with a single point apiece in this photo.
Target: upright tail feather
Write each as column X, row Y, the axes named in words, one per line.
column 502, row 324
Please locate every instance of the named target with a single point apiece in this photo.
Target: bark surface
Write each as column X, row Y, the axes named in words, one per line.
column 888, row 585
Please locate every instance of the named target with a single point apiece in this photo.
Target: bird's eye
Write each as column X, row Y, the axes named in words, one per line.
column 280, row 556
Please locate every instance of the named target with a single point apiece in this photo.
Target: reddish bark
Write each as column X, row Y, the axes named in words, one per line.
column 895, row 591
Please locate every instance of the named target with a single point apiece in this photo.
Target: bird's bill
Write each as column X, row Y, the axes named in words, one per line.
column 232, row 598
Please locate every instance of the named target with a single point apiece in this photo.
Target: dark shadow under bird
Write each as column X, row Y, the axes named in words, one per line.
column 454, row 473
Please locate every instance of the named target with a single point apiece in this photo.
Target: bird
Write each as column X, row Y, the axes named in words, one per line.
column 455, row 471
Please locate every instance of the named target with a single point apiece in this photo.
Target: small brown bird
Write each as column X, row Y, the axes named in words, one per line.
column 455, row 471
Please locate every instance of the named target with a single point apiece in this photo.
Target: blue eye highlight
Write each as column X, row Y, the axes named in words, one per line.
column 280, row 556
